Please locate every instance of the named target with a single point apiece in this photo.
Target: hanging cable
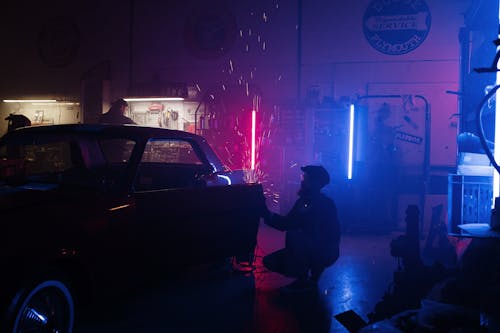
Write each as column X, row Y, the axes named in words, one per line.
column 482, row 138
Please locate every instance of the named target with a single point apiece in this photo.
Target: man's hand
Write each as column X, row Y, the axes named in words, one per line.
column 264, row 212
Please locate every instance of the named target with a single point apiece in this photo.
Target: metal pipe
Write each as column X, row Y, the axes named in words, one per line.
column 299, row 50
column 131, row 47
column 426, row 166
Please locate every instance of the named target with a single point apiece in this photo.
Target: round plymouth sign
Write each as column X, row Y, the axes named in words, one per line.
column 396, row 26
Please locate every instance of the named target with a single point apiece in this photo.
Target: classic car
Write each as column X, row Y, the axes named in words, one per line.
column 86, row 209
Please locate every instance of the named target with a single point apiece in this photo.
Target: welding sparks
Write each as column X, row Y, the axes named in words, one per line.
column 241, row 156
column 243, row 151
column 257, row 174
column 252, row 166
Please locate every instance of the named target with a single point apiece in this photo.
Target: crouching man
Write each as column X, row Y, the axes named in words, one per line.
column 312, row 233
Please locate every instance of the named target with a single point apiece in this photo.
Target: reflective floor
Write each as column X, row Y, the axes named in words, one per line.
column 357, row 281
column 222, row 300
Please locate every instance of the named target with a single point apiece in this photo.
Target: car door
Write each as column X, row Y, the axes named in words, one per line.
column 180, row 220
column 112, row 244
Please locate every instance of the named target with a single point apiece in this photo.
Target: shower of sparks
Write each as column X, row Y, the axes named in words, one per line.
column 229, row 155
column 258, row 174
column 234, row 140
column 252, row 166
column 241, row 158
column 254, row 176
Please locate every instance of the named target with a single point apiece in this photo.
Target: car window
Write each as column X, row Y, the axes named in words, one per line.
column 42, row 157
column 168, row 164
column 116, row 151
column 170, row 151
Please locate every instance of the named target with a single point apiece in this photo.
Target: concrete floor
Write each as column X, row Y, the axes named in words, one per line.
column 219, row 300
column 357, row 281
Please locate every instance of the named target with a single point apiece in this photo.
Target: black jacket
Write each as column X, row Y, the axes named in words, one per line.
column 315, row 218
column 115, row 118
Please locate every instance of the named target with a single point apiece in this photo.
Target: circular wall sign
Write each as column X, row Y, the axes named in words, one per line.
column 58, row 42
column 210, row 30
column 396, row 26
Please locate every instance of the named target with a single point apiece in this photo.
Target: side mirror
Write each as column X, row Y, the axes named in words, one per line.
column 224, row 178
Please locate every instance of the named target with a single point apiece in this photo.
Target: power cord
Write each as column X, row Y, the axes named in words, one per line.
column 482, row 137
column 495, row 216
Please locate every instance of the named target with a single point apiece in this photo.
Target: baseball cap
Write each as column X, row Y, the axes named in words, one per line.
column 317, row 173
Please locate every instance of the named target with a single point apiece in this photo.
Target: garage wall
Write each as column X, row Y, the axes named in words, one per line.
column 251, row 46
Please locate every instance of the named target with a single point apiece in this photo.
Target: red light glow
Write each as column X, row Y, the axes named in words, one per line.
column 254, row 115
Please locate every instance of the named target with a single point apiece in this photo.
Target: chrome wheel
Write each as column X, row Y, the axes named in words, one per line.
column 46, row 308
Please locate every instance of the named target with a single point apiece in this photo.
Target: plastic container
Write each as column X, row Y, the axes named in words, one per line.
column 470, row 200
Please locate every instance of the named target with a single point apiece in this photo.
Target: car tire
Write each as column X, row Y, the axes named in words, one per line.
column 45, row 306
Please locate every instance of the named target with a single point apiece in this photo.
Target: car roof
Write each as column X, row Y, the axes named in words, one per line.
column 107, row 129
column 134, row 132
